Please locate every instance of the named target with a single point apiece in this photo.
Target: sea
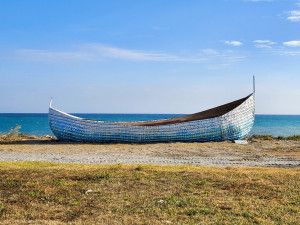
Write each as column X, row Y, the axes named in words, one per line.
column 37, row 123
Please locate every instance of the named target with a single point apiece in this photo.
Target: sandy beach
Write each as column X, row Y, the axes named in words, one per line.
column 257, row 153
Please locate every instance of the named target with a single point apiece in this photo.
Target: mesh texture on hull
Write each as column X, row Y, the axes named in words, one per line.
column 234, row 125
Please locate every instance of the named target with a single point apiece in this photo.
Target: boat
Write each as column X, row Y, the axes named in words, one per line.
column 231, row 121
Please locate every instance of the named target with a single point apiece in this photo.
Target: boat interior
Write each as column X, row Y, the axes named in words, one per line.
column 207, row 114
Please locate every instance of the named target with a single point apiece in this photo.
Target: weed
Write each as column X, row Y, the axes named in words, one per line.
column 59, row 182
column 246, row 214
column 2, row 210
column 201, row 183
column 192, row 212
column 14, row 132
column 139, row 168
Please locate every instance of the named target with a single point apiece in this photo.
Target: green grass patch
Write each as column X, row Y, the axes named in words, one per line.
column 42, row 193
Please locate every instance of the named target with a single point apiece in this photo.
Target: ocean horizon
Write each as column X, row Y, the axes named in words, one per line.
column 37, row 123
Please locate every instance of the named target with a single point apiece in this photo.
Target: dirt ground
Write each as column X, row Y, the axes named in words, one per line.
column 277, row 153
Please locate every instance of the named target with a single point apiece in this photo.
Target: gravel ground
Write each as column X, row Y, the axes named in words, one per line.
column 262, row 153
column 266, row 161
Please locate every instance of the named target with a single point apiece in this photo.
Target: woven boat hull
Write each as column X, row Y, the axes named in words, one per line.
column 232, row 125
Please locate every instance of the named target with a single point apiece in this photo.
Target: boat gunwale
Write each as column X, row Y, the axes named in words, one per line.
column 163, row 121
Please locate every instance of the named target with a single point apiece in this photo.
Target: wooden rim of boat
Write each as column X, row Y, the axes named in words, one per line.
column 207, row 114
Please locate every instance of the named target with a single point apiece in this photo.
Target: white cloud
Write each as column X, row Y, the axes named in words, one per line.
column 209, row 51
column 102, row 51
column 99, row 52
column 290, row 53
column 233, row 43
column 292, row 43
column 42, row 55
column 283, row 51
column 294, row 16
column 264, row 43
column 273, row 48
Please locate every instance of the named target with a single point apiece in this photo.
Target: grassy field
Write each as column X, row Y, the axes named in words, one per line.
column 48, row 193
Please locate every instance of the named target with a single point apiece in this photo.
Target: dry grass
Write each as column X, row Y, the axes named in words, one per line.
column 48, row 193
column 295, row 137
column 19, row 138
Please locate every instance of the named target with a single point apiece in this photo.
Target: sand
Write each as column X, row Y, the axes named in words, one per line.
column 262, row 153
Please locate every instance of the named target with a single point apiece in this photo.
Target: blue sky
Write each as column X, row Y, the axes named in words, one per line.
column 149, row 56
